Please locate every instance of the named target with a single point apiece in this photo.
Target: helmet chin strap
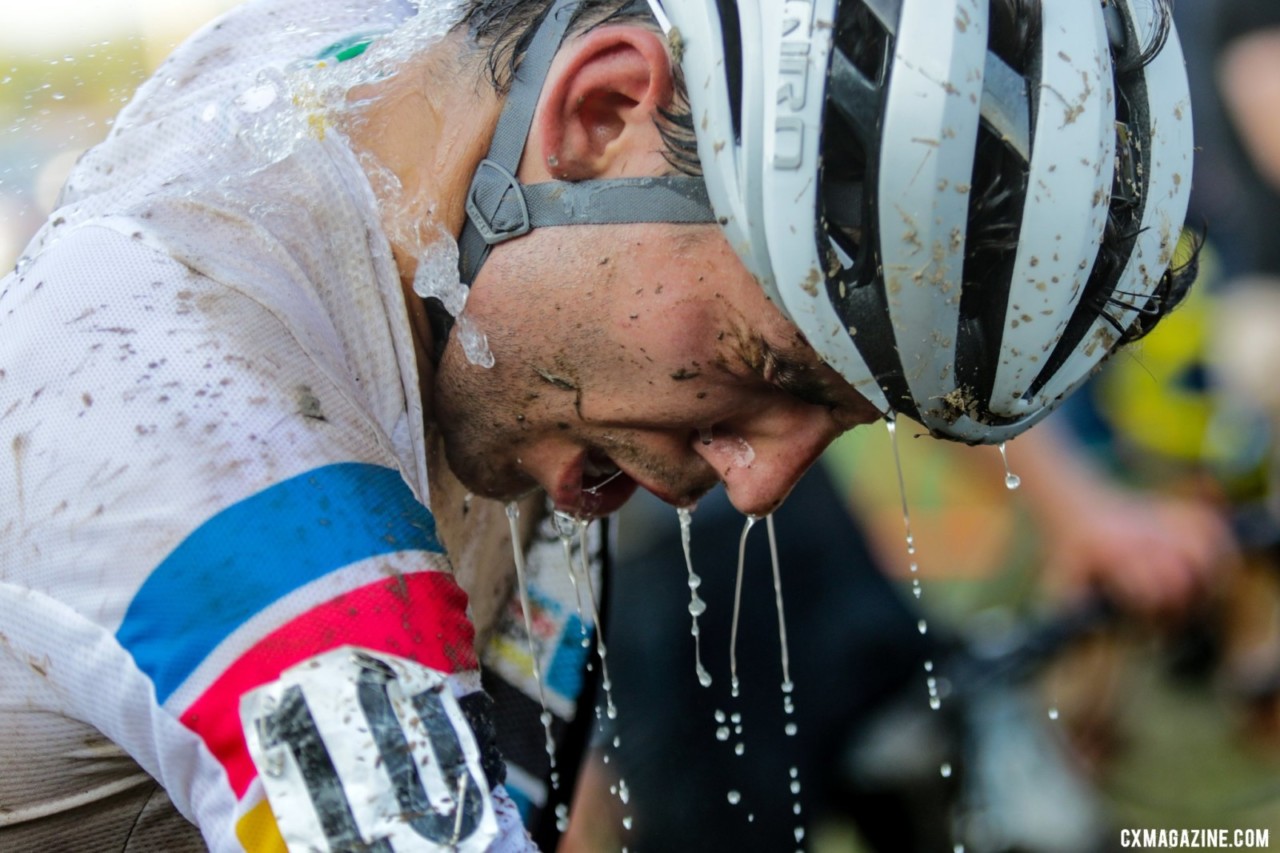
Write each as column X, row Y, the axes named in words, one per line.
column 500, row 208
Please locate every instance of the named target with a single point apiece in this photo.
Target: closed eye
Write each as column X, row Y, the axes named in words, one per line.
column 796, row 378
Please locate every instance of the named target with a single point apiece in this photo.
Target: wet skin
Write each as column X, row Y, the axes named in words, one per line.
column 634, row 355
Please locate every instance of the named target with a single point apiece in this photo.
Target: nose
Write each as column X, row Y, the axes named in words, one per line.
column 760, row 467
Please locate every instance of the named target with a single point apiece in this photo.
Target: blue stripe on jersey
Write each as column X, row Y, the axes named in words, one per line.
column 252, row 553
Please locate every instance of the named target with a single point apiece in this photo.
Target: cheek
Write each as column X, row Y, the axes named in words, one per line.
column 673, row 336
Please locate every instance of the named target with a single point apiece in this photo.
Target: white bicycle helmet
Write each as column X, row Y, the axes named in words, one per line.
column 964, row 205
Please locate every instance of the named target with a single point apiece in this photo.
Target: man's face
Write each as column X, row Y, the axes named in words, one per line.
column 634, row 355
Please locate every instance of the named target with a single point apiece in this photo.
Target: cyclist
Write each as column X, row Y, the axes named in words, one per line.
column 334, row 251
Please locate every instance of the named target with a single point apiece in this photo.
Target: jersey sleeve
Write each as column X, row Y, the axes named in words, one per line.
column 333, row 678
column 220, row 566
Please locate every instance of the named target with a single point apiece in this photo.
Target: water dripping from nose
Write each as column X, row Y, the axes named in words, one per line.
column 737, row 607
column 696, row 605
column 787, row 685
column 513, row 519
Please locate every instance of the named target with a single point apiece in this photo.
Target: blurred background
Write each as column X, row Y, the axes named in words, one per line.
column 1008, row 693
column 66, row 68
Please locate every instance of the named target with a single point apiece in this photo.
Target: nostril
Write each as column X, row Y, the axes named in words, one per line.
column 724, row 450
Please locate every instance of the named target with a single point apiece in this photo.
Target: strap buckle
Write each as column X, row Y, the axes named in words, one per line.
column 496, row 204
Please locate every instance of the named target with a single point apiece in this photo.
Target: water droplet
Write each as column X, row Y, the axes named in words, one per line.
column 935, row 703
column 795, row 809
column 722, row 733
column 704, row 677
column 734, row 798
column 795, row 772
column 626, row 822
column 736, row 718
column 739, row 748
column 562, row 817
column 922, row 627
column 799, row 834
column 945, row 770
column 790, row 729
column 795, row 787
column 915, row 587
column 1011, row 480
column 737, row 607
column 928, row 666
column 697, row 607
column 705, row 435
column 1053, row 713
column 720, row 717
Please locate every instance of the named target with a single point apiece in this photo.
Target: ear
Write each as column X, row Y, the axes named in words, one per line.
column 596, row 115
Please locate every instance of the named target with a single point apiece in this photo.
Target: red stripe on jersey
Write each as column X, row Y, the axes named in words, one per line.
column 422, row 617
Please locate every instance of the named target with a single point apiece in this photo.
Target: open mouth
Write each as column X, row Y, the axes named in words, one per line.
column 598, row 487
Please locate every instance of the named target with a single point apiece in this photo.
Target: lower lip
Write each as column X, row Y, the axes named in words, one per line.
column 606, row 499
column 602, row 500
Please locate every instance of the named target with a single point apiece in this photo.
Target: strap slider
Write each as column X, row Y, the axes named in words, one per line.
column 496, row 204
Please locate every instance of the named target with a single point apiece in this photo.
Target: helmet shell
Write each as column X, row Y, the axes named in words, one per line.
column 1091, row 131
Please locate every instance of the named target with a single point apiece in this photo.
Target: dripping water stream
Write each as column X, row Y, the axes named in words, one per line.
column 787, row 686
column 737, row 608
column 906, row 513
column 513, row 519
column 696, row 605
column 611, row 710
column 565, row 526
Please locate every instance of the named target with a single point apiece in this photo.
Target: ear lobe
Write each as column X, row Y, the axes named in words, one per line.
column 596, row 116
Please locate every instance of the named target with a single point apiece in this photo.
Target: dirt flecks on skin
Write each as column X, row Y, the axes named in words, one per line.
column 555, row 380
column 684, row 374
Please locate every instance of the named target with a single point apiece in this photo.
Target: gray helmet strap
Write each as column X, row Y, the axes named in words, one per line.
column 500, row 208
